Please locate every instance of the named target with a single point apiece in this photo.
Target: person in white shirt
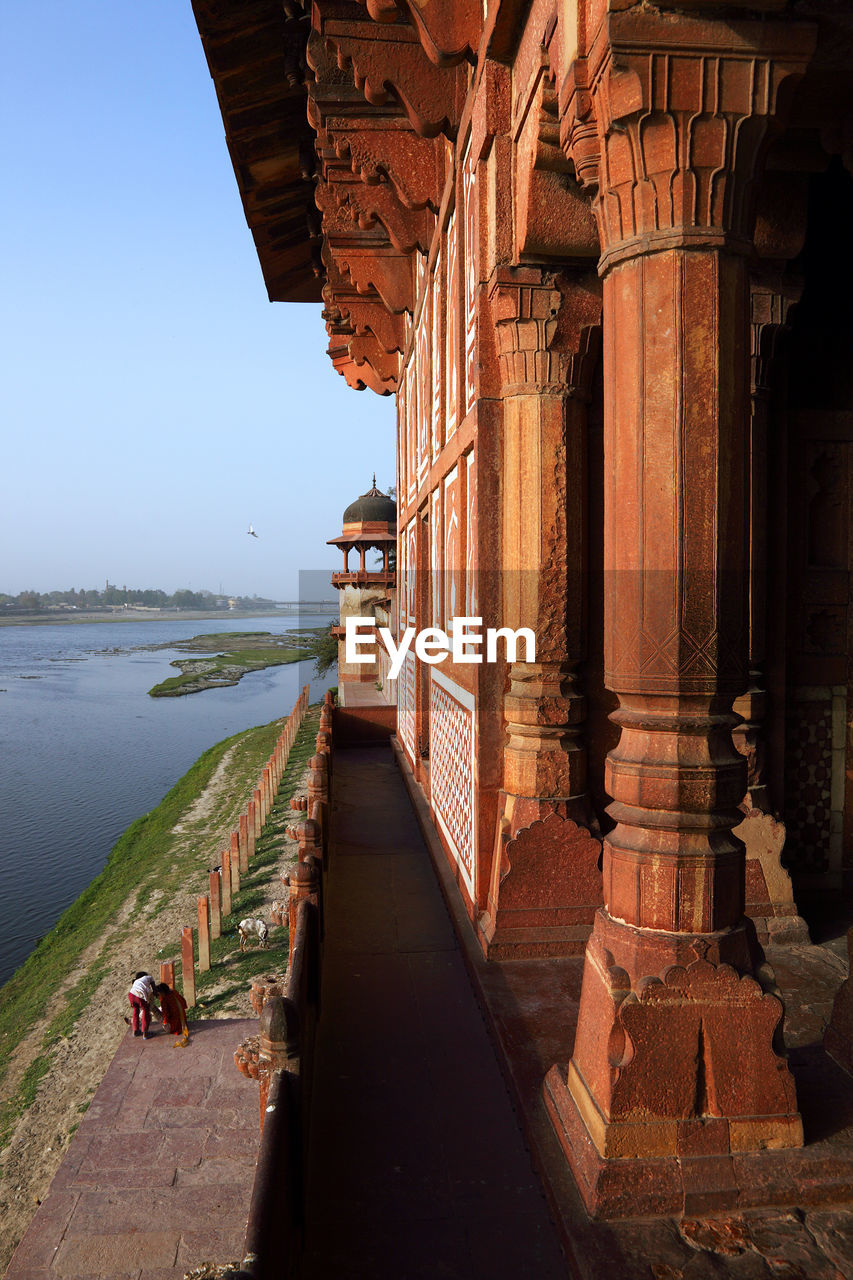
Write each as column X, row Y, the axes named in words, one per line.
column 140, row 994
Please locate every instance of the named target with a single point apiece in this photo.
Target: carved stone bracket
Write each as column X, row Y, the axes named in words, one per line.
column 413, row 165
column 366, row 349
column 365, row 204
column 553, row 218
column 449, row 30
column 369, row 315
column 383, row 271
column 545, row 891
column 389, row 65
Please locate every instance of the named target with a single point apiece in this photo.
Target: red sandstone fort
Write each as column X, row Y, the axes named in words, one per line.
column 601, row 254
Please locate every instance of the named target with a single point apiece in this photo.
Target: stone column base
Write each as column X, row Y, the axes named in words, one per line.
column 699, row 1177
column 678, row 1056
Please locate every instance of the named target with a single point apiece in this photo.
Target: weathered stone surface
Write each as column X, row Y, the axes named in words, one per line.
column 769, row 892
column 838, row 1040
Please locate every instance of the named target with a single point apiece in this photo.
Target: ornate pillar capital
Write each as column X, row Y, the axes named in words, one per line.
column 547, row 327
column 682, row 114
column 525, row 302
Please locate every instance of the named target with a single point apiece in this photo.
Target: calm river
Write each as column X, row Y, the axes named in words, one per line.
column 84, row 750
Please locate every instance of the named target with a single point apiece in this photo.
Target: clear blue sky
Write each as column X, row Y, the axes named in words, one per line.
column 153, row 401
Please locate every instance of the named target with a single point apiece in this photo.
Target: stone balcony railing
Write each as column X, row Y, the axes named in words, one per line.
column 363, row 578
column 280, row 1056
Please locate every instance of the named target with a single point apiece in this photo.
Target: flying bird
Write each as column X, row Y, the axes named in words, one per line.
column 251, row 530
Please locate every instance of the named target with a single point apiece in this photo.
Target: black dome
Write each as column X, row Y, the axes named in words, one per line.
column 371, row 507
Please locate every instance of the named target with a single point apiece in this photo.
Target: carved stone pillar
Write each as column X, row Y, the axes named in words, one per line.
column 676, row 1047
column 770, row 301
column 544, row 885
column 769, row 897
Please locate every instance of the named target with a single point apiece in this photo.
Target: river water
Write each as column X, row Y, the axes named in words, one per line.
column 84, row 750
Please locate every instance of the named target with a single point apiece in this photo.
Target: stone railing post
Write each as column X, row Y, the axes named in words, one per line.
column 250, row 828
column 278, row 1044
column 234, row 859
column 225, row 881
column 188, row 965
column 203, row 935
column 303, row 883
column 243, row 843
column 318, row 779
column 215, row 897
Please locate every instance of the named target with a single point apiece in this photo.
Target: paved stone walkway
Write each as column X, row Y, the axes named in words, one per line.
column 418, row 1168
column 158, row 1177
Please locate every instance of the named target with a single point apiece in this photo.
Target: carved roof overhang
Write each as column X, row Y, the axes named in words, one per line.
column 256, row 56
column 338, row 117
column 362, row 538
column 378, row 107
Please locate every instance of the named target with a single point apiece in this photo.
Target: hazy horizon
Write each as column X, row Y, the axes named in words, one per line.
column 155, row 403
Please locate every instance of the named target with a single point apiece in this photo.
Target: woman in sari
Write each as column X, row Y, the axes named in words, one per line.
column 173, row 1007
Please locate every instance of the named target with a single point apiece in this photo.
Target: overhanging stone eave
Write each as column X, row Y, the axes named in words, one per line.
column 289, row 264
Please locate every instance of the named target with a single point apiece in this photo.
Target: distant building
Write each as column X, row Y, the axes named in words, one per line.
column 367, row 591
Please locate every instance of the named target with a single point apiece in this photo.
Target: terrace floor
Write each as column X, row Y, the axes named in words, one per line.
column 158, row 1177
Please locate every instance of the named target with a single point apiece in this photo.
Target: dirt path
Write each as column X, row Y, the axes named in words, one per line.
column 41, row 1136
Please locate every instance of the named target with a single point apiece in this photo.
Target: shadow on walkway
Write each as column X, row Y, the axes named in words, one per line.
column 417, row 1166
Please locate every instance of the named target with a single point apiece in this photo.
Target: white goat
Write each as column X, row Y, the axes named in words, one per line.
column 249, row 927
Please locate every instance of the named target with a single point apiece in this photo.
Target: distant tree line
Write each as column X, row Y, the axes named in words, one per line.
column 117, row 597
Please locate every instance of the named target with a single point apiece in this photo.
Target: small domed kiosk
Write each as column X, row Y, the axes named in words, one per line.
column 369, row 525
